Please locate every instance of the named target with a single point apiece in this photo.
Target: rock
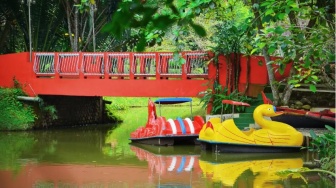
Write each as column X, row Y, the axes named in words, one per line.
column 305, row 101
column 298, row 103
column 306, row 107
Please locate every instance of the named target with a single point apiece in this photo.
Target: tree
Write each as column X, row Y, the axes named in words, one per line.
column 152, row 20
column 302, row 32
column 304, row 37
column 54, row 25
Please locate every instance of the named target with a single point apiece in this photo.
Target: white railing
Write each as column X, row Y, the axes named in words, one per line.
column 68, row 64
column 120, row 65
column 93, row 64
column 44, row 64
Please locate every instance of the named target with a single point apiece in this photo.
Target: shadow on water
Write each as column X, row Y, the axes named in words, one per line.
column 101, row 156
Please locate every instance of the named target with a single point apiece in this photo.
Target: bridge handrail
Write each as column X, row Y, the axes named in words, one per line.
column 121, row 65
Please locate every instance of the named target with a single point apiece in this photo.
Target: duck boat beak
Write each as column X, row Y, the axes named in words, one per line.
column 278, row 111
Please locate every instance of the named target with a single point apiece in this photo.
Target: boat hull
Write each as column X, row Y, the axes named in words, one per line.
column 168, row 140
column 225, row 147
column 304, row 121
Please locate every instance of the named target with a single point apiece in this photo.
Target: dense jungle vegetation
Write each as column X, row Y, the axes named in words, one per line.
column 302, row 32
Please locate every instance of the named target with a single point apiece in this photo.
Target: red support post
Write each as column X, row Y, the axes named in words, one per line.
column 57, row 76
column 106, row 75
column 131, row 56
column 157, row 65
column 80, row 65
column 184, row 67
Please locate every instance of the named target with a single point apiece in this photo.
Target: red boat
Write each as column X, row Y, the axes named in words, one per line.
column 303, row 118
column 161, row 131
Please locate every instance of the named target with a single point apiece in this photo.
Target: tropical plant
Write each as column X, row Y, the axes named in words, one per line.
column 324, row 145
column 215, row 97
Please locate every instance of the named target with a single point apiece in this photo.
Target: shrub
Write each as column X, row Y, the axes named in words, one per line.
column 222, row 93
column 14, row 115
column 324, row 145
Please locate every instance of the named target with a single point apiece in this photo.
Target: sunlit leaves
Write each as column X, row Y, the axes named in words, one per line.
column 149, row 19
column 281, row 16
column 269, row 12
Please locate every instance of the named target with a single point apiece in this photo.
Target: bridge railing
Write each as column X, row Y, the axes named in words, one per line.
column 120, row 65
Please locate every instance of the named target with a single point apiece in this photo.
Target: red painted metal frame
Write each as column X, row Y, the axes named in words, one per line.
column 17, row 67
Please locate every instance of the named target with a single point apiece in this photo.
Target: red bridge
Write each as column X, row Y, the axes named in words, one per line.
column 125, row 74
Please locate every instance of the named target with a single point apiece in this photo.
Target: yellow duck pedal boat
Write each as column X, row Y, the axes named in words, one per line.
column 272, row 137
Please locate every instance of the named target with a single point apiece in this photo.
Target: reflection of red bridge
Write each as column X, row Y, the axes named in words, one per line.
column 39, row 175
column 122, row 74
column 181, row 168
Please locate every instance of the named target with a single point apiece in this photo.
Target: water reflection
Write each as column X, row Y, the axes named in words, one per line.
column 170, row 166
column 255, row 170
column 102, row 157
column 66, row 158
column 12, row 146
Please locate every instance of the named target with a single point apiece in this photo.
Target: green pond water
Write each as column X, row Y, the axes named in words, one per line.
column 102, row 156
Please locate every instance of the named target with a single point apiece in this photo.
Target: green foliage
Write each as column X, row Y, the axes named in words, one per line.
column 234, row 34
column 14, row 115
column 298, row 172
column 49, row 110
column 219, row 94
column 324, row 145
column 151, row 20
column 111, row 109
column 300, row 32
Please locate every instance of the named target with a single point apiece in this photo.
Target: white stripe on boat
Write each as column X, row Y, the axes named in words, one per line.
column 191, row 126
column 172, row 125
column 191, row 164
column 172, row 164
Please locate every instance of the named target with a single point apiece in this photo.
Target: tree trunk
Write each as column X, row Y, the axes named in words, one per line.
column 271, row 79
column 68, row 12
column 5, row 34
column 75, row 49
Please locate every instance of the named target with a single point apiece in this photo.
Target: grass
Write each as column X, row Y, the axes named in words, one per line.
column 143, row 101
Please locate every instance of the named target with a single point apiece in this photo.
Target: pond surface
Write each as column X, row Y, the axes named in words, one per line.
column 101, row 156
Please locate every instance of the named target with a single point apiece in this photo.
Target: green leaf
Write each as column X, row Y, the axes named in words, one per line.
column 312, row 134
column 269, row 11
column 287, row 10
column 330, row 128
column 282, row 68
column 312, row 88
column 261, row 45
column 198, row 29
column 292, row 4
column 254, row 50
column 163, row 22
column 281, row 16
column 271, row 49
column 141, row 44
column 279, row 30
column 297, row 85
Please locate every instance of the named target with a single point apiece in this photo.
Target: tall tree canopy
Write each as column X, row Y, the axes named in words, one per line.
column 301, row 31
